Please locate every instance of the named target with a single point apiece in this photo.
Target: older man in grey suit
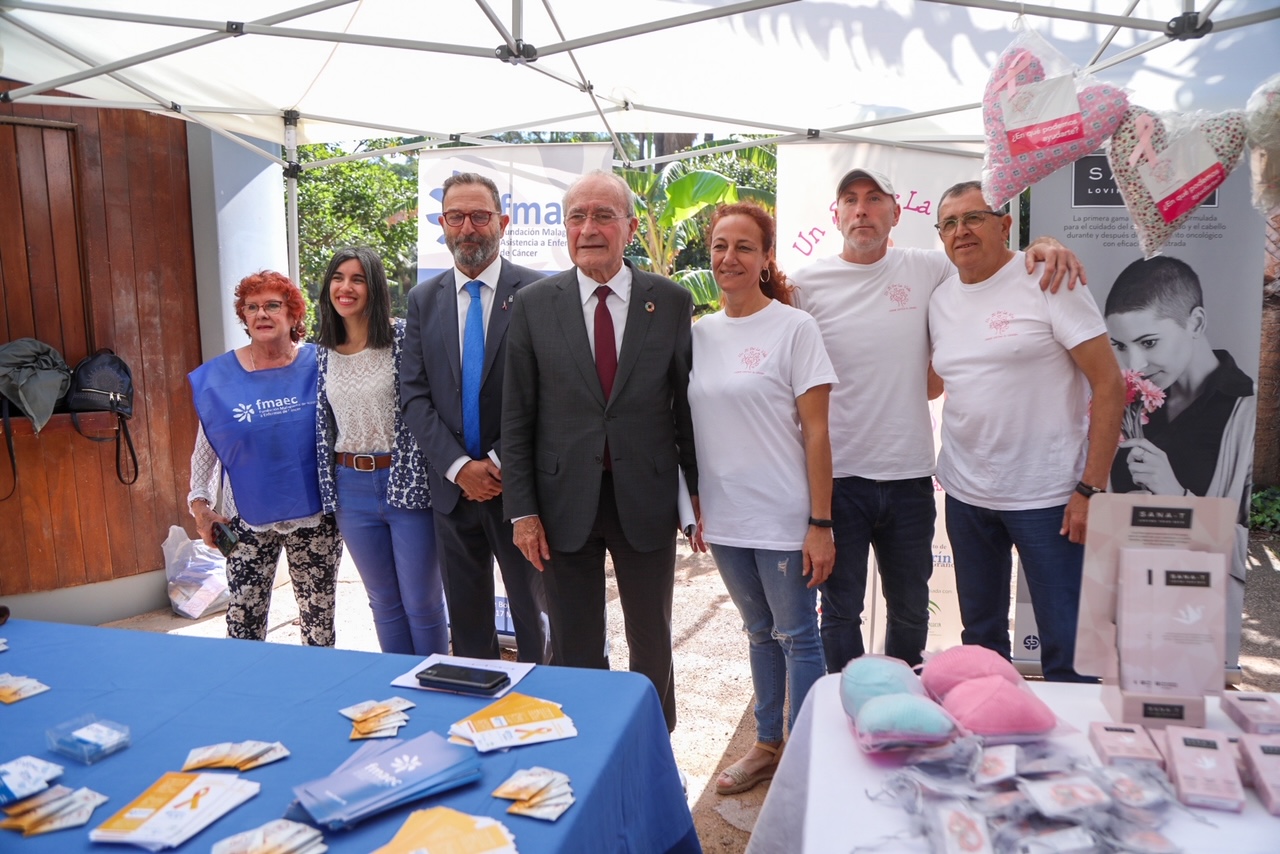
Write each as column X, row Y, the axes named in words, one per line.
column 595, row 426
column 451, row 380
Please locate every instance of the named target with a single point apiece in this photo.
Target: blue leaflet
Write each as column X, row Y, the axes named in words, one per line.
column 380, row 777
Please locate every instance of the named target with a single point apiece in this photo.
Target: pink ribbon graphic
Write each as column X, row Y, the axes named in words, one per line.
column 1145, row 126
column 1010, row 77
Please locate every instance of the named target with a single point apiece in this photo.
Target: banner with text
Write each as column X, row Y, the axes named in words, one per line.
column 807, row 177
column 1200, row 442
column 531, row 182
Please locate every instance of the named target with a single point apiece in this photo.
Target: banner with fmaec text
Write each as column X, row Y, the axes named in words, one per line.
column 531, row 182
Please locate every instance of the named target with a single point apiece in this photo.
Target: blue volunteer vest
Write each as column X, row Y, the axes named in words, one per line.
column 262, row 425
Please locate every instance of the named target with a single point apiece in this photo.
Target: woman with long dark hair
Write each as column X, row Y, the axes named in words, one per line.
column 373, row 477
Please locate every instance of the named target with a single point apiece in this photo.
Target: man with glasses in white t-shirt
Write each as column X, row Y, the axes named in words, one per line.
column 871, row 303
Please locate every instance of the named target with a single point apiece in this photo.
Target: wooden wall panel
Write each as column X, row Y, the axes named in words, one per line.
column 103, row 258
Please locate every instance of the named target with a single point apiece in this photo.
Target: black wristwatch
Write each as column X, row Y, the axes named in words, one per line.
column 1086, row 490
column 821, row 523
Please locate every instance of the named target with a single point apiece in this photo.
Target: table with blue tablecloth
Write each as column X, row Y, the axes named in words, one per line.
column 176, row 693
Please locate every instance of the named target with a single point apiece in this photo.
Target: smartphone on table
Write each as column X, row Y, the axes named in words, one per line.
column 224, row 538
column 466, row 680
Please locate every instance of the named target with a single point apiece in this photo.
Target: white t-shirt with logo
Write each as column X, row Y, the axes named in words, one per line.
column 1017, row 406
column 875, row 324
column 747, row 373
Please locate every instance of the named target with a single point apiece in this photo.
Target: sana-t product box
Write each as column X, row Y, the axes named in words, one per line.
column 1120, row 744
column 1262, row 758
column 1255, row 713
column 1202, row 766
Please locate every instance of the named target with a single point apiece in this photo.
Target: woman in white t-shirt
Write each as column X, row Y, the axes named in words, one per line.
column 373, row 477
column 759, row 390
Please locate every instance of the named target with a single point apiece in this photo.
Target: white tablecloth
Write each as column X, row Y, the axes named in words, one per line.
column 818, row 801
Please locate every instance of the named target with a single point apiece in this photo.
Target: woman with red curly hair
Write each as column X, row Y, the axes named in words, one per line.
column 758, row 391
column 256, row 451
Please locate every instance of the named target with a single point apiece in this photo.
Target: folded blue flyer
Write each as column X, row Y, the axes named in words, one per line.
column 379, row 778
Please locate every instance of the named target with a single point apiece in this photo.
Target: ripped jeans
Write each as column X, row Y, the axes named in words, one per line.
column 780, row 616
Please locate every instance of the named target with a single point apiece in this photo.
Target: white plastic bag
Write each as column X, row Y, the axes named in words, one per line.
column 197, row 576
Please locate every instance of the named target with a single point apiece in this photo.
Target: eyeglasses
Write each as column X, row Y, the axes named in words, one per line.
column 601, row 218
column 271, row 307
column 478, row 218
column 972, row 220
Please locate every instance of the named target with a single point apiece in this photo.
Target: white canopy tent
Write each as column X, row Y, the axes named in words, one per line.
column 910, row 72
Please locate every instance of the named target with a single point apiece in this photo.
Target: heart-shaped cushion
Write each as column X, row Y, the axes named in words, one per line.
column 1005, row 174
column 892, row 721
column 960, row 664
column 871, row 676
column 1225, row 133
column 994, row 706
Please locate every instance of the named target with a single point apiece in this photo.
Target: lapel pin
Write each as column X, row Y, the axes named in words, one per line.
column 507, row 302
column 648, row 307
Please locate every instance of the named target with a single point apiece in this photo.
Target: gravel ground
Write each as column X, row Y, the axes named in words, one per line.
column 713, row 682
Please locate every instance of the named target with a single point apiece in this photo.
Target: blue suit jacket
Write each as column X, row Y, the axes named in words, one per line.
column 431, row 373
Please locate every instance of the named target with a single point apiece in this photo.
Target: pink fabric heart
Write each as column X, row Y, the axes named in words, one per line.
column 1006, row 174
column 960, row 664
column 993, row 706
column 1141, row 135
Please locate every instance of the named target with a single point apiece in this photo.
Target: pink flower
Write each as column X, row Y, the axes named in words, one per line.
column 1141, row 397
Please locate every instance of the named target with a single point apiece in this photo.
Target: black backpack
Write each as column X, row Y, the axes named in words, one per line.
column 103, row 383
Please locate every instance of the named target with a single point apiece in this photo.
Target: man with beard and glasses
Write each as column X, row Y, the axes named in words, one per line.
column 451, row 392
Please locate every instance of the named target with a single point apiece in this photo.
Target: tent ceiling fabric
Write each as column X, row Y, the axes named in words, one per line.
column 784, row 68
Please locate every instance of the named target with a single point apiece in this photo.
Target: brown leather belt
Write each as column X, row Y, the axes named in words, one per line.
column 363, row 462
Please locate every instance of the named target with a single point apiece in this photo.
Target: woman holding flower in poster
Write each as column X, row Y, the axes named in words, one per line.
column 1192, row 422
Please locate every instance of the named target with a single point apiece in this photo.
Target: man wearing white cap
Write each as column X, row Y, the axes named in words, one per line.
column 871, row 303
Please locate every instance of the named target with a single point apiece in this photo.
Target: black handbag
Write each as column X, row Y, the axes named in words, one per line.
column 103, row 382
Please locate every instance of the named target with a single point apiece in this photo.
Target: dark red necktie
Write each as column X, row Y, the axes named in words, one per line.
column 606, row 355
column 606, row 347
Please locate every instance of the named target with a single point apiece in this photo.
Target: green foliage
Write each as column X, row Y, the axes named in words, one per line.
column 700, row 283
column 1264, row 510
column 674, row 205
column 370, row 202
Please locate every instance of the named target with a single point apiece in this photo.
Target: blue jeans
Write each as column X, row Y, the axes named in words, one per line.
column 779, row 615
column 395, row 551
column 895, row 517
column 981, row 541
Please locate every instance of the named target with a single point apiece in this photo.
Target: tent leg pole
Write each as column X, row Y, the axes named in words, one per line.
column 291, row 190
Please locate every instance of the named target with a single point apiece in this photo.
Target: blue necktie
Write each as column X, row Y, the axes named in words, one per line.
column 472, row 369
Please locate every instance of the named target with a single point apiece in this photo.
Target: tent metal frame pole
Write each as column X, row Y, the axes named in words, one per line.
column 893, row 143
column 291, row 194
column 256, row 29
column 889, row 120
column 137, row 59
column 707, row 152
column 500, row 27
column 762, row 126
column 522, row 128
column 110, row 15
column 659, row 26
column 1203, row 14
column 1125, row 56
column 365, row 155
column 517, row 19
column 1106, row 42
column 1065, row 14
column 160, row 101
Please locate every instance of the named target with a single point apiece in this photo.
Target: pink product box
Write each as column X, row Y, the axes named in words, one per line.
column 1203, row 768
column 1123, row 744
column 1262, row 758
column 1256, row 713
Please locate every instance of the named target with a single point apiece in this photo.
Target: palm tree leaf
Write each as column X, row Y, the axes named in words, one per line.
column 693, row 192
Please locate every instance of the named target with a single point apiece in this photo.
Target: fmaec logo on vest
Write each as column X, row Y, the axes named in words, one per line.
column 265, row 408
